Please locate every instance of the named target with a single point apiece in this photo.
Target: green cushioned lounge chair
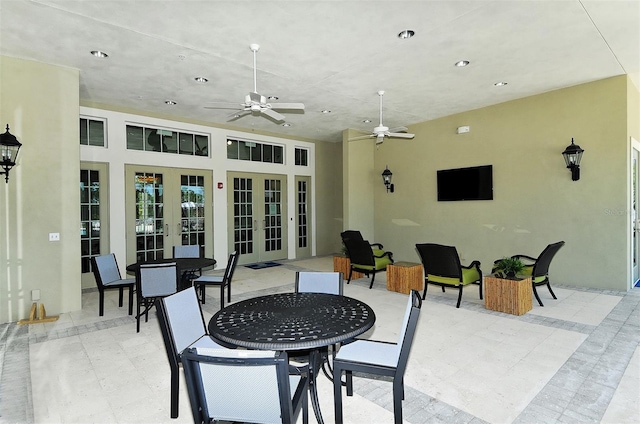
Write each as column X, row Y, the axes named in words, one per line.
column 539, row 269
column 442, row 267
column 363, row 259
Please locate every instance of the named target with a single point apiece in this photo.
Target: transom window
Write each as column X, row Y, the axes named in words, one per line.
column 167, row 141
column 302, row 157
column 255, row 152
column 92, row 132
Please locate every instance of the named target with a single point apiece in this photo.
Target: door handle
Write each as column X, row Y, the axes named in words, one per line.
column 264, row 224
column 166, row 230
column 255, row 225
column 179, row 228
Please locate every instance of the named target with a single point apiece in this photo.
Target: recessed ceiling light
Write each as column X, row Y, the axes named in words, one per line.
column 500, row 84
column 286, row 124
column 100, row 54
column 366, row 121
column 462, row 63
column 272, row 98
column 326, row 111
column 201, row 79
column 170, row 102
column 407, row 33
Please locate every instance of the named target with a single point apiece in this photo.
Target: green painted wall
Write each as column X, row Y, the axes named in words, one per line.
column 535, row 201
column 40, row 104
column 328, row 197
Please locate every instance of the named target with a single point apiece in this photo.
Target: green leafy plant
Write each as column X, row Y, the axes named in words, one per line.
column 508, row 267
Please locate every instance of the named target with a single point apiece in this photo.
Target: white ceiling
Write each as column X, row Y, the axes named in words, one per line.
column 331, row 55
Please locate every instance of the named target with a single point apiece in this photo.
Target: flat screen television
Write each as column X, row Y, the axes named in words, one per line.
column 474, row 183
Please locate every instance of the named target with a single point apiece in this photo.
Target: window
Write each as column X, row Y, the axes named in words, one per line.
column 302, row 157
column 89, row 217
column 166, row 141
column 255, row 152
column 92, row 132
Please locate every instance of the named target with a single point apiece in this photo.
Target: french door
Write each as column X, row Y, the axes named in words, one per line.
column 167, row 207
column 257, row 207
column 303, row 217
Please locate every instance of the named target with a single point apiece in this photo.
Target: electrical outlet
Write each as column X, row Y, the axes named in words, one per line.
column 54, row 236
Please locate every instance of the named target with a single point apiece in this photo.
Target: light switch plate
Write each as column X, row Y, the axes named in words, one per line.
column 54, row 236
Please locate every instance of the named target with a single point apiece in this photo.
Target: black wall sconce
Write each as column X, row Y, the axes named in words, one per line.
column 9, row 146
column 572, row 157
column 386, row 179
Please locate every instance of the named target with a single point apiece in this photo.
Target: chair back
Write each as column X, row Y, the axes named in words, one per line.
column 105, row 269
column 182, row 319
column 408, row 329
column 239, row 385
column 157, row 280
column 232, row 262
column 319, row 282
column 541, row 267
column 440, row 260
column 188, row 251
column 352, row 235
column 359, row 251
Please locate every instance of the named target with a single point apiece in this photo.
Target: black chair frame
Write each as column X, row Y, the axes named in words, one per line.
column 130, row 285
column 397, row 373
column 444, row 261
column 541, row 268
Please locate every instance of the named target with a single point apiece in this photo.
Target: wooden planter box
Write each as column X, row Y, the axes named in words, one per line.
column 510, row 296
column 402, row 277
column 342, row 264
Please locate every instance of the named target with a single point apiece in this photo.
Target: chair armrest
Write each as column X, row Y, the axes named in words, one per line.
column 389, row 254
column 529, row 258
column 377, row 245
column 474, row 264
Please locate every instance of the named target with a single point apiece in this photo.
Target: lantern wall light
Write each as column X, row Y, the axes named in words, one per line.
column 386, row 179
column 572, row 157
column 9, row 146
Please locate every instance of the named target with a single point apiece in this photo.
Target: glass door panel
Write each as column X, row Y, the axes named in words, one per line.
column 257, row 211
column 167, row 207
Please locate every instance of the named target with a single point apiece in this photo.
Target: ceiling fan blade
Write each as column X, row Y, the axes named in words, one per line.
column 292, row 106
column 238, row 114
column 398, row 129
column 234, row 107
column 400, row 135
column 272, row 114
column 361, row 137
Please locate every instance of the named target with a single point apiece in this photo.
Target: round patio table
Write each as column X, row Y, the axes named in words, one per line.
column 293, row 322
column 184, row 265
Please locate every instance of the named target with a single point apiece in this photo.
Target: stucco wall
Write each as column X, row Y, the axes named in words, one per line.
column 40, row 104
column 535, row 201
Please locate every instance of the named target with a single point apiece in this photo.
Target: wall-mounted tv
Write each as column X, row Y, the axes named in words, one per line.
column 474, row 183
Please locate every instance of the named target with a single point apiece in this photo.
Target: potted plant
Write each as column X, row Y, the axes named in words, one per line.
column 508, row 267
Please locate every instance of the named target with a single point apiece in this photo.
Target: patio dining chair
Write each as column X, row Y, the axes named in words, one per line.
column 378, row 358
column 188, row 251
column 222, row 281
column 154, row 281
column 244, row 386
column 107, row 275
column 182, row 326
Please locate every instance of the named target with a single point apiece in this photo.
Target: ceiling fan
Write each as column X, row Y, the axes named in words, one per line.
column 380, row 132
column 256, row 104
